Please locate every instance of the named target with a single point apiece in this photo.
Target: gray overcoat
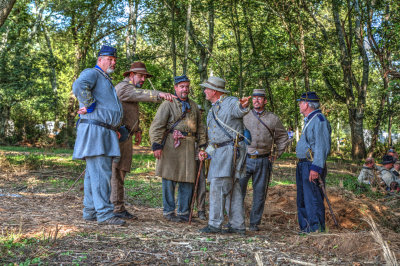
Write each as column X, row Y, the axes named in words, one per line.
column 228, row 110
column 93, row 85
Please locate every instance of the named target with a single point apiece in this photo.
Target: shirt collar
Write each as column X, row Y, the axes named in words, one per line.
column 219, row 100
column 311, row 115
column 102, row 71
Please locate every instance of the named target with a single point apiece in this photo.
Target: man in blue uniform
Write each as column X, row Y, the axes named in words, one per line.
column 97, row 140
column 312, row 150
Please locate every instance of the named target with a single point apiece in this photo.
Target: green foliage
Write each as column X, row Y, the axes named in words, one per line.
column 144, row 192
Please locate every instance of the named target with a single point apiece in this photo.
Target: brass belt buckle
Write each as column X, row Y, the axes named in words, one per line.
column 253, row 156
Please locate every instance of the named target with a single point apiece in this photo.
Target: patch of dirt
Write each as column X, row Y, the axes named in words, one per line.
column 57, row 219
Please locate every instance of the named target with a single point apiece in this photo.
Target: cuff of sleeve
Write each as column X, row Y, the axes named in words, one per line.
column 90, row 109
column 243, row 109
column 203, row 147
column 316, row 168
column 156, row 146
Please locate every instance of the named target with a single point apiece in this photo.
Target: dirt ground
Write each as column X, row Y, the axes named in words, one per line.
column 56, row 218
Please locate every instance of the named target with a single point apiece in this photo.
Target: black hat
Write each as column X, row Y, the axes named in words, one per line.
column 107, row 50
column 179, row 79
column 309, row 96
column 387, row 159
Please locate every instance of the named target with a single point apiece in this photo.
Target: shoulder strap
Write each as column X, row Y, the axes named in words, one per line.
column 259, row 119
column 104, row 75
column 221, row 127
column 172, row 127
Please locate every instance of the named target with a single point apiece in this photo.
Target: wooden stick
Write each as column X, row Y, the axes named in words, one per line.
column 195, row 192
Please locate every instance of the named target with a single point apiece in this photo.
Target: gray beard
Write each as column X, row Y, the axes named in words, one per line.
column 109, row 70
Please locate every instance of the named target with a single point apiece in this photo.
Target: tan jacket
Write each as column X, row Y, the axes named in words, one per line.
column 261, row 139
column 130, row 96
column 177, row 164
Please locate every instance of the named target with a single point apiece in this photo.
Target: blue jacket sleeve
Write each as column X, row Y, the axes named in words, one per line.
column 237, row 110
column 83, row 87
column 322, row 146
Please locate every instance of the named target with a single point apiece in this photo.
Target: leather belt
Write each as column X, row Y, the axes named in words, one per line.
column 225, row 143
column 256, row 156
column 186, row 134
column 303, row 160
column 98, row 123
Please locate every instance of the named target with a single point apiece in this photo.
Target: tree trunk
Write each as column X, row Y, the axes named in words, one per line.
column 188, row 18
column 355, row 106
column 236, row 30
column 4, row 118
column 173, row 44
column 5, row 9
column 131, row 37
column 377, row 124
column 52, row 74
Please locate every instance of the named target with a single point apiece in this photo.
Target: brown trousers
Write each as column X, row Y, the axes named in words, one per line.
column 117, row 189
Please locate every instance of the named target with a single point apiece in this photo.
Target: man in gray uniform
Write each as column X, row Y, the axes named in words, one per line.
column 367, row 174
column 390, row 179
column 266, row 129
column 225, row 135
column 97, row 140
column 312, row 150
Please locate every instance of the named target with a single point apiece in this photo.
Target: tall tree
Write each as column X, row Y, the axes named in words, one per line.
column 5, row 9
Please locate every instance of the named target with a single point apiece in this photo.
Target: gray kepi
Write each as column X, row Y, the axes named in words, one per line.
column 215, row 83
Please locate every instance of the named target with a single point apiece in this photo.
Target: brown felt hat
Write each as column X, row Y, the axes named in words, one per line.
column 138, row 67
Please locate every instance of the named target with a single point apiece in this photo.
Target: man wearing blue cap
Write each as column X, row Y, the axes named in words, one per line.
column 312, row 150
column 174, row 132
column 97, row 138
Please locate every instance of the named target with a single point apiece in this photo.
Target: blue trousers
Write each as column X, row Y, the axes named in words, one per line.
column 259, row 170
column 184, row 197
column 310, row 200
column 97, row 189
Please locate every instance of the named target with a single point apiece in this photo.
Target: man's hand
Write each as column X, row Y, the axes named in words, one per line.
column 202, row 155
column 82, row 110
column 272, row 158
column 138, row 137
column 166, row 96
column 157, row 154
column 313, row 175
column 245, row 101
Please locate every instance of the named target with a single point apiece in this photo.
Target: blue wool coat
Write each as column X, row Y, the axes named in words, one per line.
column 93, row 85
column 315, row 138
column 227, row 110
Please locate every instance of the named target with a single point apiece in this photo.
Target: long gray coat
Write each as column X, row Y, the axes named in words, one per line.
column 92, row 140
column 228, row 110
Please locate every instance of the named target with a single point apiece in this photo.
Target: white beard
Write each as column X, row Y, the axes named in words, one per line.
column 109, row 70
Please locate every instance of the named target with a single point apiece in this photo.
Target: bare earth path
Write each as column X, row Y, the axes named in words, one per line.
column 55, row 219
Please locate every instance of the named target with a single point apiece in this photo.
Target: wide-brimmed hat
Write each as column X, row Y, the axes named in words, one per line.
column 107, row 51
column 258, row 92
column 138, row 67
column 215, row 83
column 387, row 159
column 309, row 96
